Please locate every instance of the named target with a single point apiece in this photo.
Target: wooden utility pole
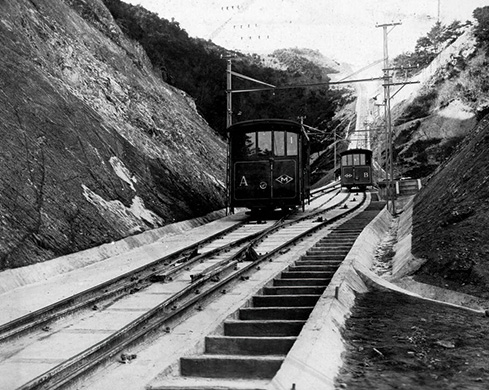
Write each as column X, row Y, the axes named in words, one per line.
column 229, row 112
column 230, row 91
column 387, row 82
column 387, row 105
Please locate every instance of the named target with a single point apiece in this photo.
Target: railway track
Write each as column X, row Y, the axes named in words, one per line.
column 162, row 294
column 133, row 280
column 250, row 346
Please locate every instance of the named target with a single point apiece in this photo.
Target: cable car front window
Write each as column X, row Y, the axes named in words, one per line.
column 355, row 158
column 264, row 143
column 292, row 144
column 279, row 147
column 250, row 144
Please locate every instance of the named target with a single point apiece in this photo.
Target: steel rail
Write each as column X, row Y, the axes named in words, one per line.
column 156, row 318
column 110, row 289
column 106, row 290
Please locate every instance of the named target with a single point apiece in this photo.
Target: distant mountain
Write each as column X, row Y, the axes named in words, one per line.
column 198, row 67
column 305, row 61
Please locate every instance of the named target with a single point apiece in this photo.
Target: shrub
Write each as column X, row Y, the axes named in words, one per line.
column 428, row 47
column 419, row 108
column 481, row 29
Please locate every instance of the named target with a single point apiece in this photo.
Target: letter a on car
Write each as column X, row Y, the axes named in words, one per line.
column 243, row 182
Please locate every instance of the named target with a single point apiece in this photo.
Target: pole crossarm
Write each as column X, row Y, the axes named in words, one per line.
column 314, row 129
column 399, row 89
column 385, row 25
column 304, row 85
column 402, row 68
column 249, row 90
column 388, row 24
column 242, row 76
column 401, row 83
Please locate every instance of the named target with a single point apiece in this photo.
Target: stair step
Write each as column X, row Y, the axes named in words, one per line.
column 315, row 268
column 293, row 290
column 322, row 248
column 231, row 366
column 331, row 263
column 277, row 313
column 200, row 383
column 325, row 257
column 285, row 300
column 233, row 345
column 302, row 282
column 342, row 234
column 257, row 328
column 306, row 274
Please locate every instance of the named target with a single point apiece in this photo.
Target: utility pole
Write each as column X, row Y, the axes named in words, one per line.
column 335, row 152
column 387, row 82
column 229, row 120
column 387, row 99
column 230, row 91
column 229, row 112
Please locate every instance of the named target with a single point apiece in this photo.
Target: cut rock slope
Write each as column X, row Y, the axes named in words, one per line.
column 450, row 220
column 95, row 147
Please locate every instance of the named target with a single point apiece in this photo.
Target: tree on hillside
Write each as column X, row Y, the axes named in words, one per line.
column 198, row 67
column 429, row 46
column 481, row 29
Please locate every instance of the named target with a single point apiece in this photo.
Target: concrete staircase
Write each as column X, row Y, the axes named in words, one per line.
column 255, row 342
column 254, row 345
column 408, row 187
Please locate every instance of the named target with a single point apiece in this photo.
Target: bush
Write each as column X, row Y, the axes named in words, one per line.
column 419, row 108
column 198, row 67
column 481, row 29
column 428, row 47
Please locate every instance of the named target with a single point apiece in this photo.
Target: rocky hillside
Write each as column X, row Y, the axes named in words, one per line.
column 95, row 147
column 441, row 136
column 432, row 117
column 450, row 219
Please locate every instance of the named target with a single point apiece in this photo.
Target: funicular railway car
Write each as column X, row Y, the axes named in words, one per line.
column 356, row 169
column 268, row 165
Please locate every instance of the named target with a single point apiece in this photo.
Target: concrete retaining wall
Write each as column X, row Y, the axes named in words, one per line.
column 18, row 277
column 404, row 262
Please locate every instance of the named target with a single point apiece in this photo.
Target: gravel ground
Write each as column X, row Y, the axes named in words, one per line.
column 401, row 342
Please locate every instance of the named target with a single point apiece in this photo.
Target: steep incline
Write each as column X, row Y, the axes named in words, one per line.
column 450, row 220
column 95, row 147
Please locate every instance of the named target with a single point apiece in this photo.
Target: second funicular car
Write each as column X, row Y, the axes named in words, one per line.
column 356, row 169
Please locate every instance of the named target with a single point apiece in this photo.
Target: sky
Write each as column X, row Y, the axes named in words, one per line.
column 342, row 30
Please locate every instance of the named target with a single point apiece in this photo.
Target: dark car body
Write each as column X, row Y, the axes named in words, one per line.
column 356, row 169
column 268, row 164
